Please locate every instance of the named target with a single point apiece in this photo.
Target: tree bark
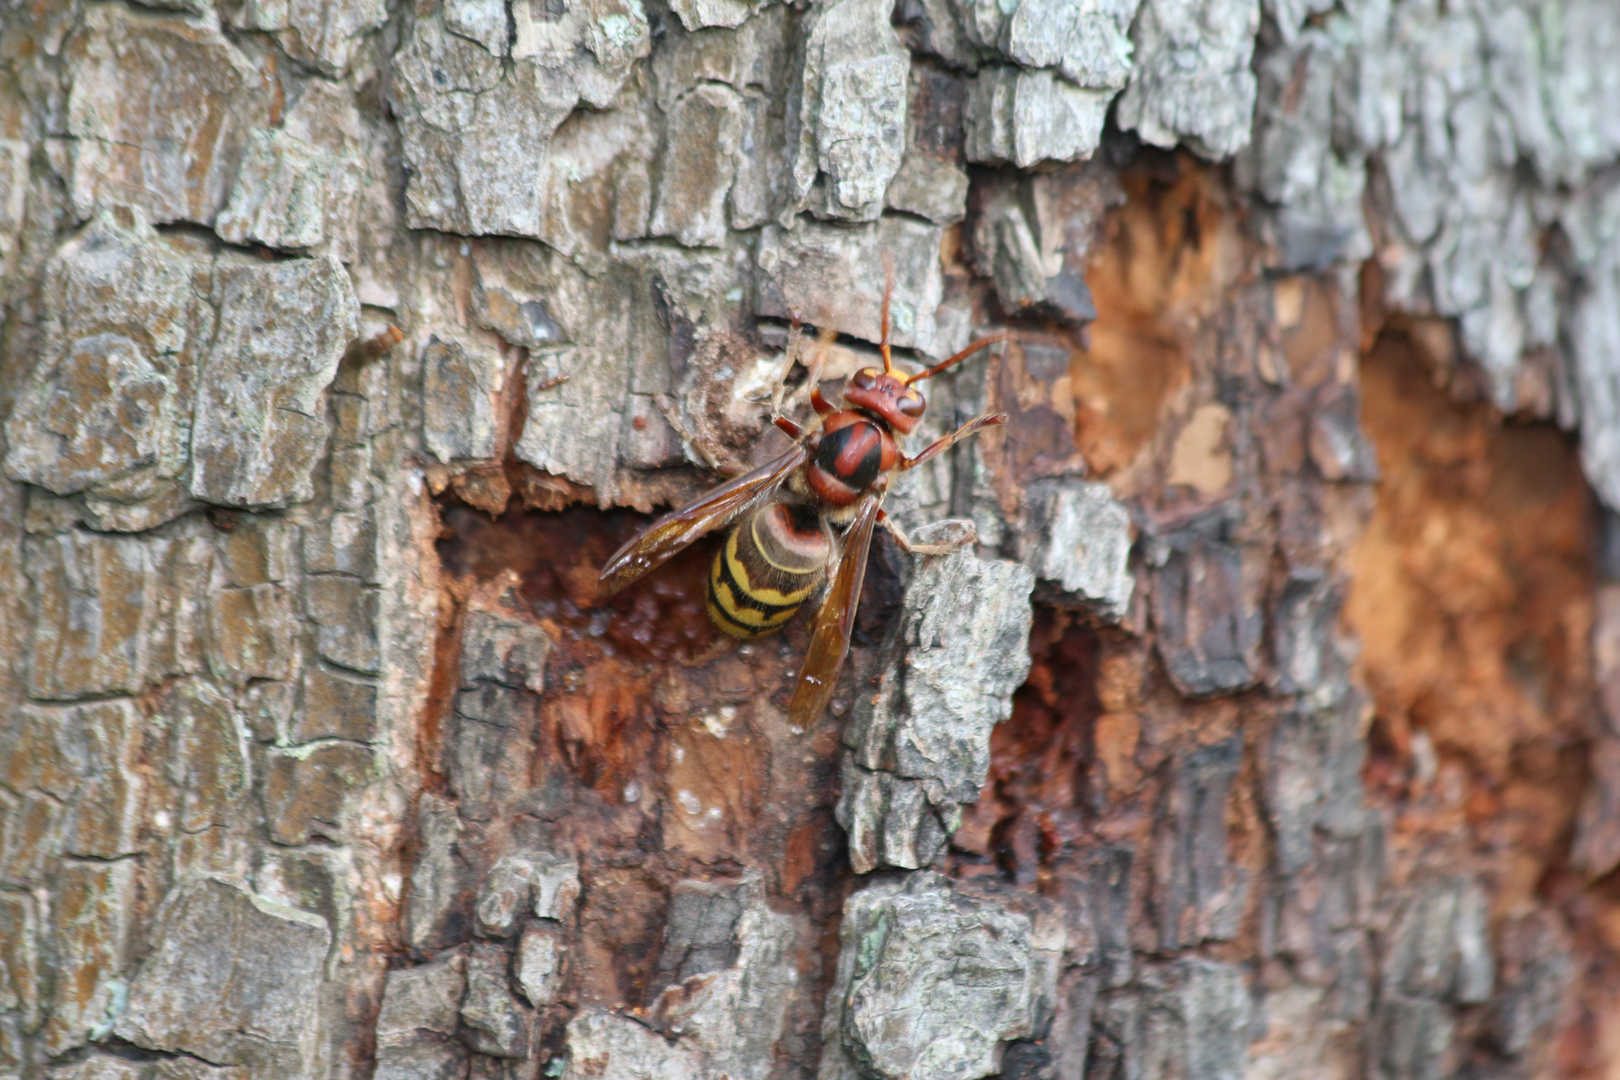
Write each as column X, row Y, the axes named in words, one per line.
column 1271, row 729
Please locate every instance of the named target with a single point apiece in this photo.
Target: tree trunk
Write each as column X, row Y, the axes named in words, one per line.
column 1271, row 730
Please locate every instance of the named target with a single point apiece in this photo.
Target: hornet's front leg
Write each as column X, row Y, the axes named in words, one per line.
column 780, row 401
column 790, row 356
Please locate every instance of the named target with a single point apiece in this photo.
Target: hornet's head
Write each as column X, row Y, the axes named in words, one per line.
column 887, row 395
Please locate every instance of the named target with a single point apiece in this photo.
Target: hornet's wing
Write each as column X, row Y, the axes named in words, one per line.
column 671, row 533
column 829, row 641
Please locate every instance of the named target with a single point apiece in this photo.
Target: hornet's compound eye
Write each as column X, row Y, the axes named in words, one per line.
column 865, row 379
column 912, row 404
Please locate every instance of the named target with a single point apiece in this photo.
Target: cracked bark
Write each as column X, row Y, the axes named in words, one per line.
column 1271, row 730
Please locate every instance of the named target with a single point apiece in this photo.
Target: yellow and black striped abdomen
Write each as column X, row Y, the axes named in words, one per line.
column 771, row 562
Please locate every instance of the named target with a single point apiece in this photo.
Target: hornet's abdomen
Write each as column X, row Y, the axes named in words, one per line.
column 771, row 562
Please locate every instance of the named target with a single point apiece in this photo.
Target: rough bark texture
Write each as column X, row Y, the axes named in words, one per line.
column 1271, row 731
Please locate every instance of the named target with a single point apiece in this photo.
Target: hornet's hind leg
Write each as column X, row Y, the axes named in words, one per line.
column 968, row 535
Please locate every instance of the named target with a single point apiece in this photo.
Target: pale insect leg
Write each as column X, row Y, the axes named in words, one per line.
column 812, row 378
column 672, row 413
column 911, row 547
column 790, row 354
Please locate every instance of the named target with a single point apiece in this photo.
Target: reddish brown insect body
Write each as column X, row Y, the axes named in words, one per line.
column 849, row 452
column 831, row 483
